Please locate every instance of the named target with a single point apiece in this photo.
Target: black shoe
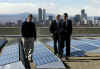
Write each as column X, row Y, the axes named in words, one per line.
column 66, row 58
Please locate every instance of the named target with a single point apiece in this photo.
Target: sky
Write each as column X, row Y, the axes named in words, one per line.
column 72, row 7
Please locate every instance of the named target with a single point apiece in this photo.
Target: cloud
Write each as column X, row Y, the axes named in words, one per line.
column 13, row 8
column 94, row 3
column 50, row 6
column 26, row 1
column 92, row 11
column 93, row 8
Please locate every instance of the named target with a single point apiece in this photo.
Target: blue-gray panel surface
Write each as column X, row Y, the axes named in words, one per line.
column 92, row 41
column 42, row 55
column 86, row 47
column 74, row 52
column 9, row 54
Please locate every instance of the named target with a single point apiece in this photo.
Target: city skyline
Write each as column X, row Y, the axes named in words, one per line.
column 52, row 6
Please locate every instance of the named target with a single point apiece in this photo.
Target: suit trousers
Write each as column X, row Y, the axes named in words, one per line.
column 55, row 40
column 28, row 47
column 61, row 46
column 67, row 43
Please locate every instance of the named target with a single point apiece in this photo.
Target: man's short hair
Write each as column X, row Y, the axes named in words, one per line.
column 30, row 15
column 66, row 14
column 58, row 15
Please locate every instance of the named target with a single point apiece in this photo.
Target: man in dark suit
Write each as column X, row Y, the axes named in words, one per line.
column 29, row 34
column 54, row 29
column 67, row 33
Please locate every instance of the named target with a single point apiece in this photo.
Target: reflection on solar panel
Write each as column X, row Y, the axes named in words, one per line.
column 86, row 40
column 94, row 42
column 74, row 51
column 86, row 47
column 42, row 55
column 50, row 44
column 79, row 47
column 9, row 54
column 76, row 42
column 97, row 43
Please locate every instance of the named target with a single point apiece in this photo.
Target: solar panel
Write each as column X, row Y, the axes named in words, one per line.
column 16, row 65
column 9, row 54
column 50, row 43
column 73, row 42
column 96, row 41
column 74, row 52
column 86, row 47
column 86, row 40
column 78, row 53
column 42, row 55
column 76, row 42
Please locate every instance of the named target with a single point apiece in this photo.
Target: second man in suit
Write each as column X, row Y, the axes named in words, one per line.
column 68, row 33
column 54, row 29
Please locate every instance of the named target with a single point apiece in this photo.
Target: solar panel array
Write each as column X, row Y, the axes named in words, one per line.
column 43, row 55
column 79, row 47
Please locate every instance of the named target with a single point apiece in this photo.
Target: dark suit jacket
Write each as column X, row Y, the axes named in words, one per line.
column 67, row 28
column 28, row 30
column 55, row 29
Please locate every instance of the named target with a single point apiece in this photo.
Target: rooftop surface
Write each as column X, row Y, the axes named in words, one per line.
column 84, row 55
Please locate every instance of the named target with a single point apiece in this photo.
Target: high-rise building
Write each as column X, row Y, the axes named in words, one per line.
column 83, row 17
column 83, row 14
column 50, row 18
column 76, row 19
column 44, row 15
column 40, row 15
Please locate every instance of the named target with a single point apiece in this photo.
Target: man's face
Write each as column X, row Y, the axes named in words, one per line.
column 65, row 17
column 58, row 17
column 29, row 19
